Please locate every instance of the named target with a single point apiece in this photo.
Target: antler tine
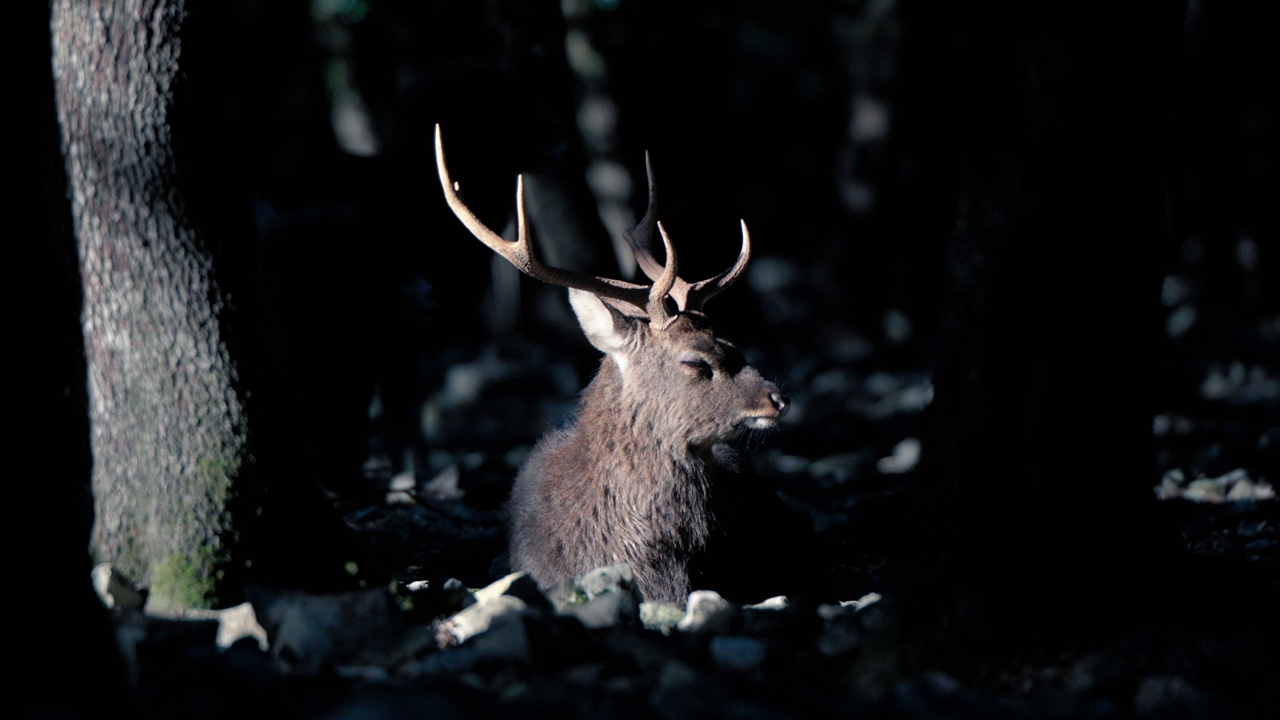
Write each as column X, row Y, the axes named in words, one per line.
column 700, row 292
column 517, row 253
column 662, row 285
column 520, row 252
column 689, row 296
column 640, row 238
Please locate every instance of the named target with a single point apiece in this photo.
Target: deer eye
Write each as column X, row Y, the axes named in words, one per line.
column 703, row 368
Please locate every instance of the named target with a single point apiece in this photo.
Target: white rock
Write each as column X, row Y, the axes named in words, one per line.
column 777, row 602
column 706, row 611
column 605, row 610
column 905, row 457
column 660, row 616
column 114, row 589
column 235, row 623
column 479, row 618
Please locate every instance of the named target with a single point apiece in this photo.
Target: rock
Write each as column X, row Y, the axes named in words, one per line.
column 477, row 619
column 611, row 579
column 1172, row 696
column 114, row 589
column 863, row 602
column 500, row 605
column 846, row 624
column 504, row 634
column 602, row 598
column 839, row 468
column 736, row 653
column 841, row 632
column 579, row 590
column 660, row 616
column 707, row 612
column 904, row 458
column 239, row 622
column 678, row 693
column 777, row 602
column 309, row 632
column 444, row 486
column 492, row 631
column 517, row 585
column 606, row 610
column 771, row 617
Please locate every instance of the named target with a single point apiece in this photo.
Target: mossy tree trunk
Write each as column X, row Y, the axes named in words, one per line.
column 168, row 423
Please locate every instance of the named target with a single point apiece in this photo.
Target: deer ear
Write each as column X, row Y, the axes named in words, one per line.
column 608, row 326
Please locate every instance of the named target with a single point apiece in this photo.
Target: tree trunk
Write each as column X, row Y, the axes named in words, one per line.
column 1037, row 528
column 168, row 421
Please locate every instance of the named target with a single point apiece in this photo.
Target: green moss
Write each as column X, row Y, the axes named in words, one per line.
column 191, row 553
column 216, row 473
column 187, row 581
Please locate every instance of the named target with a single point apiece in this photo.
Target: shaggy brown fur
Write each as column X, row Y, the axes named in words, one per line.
column 628, row 480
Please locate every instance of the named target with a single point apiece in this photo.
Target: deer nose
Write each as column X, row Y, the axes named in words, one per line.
column 781, row 402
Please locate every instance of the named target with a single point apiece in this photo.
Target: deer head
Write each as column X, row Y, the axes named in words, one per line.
column 651, row 330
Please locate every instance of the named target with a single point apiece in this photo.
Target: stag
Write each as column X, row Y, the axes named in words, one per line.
column 628, row 481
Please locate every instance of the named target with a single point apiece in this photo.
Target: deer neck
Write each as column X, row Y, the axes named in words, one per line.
column 634, row 421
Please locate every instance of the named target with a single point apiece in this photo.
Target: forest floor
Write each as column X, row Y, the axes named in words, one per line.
column 438, row 645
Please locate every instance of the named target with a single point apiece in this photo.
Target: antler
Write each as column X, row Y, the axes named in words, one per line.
column 520, row 253
column 689, row 297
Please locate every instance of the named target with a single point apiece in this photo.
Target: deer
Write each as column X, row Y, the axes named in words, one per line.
column 629, row 477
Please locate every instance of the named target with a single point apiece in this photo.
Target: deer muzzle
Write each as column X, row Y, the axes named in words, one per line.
column 767, row 417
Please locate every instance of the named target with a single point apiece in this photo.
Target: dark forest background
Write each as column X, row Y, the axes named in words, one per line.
column 843, row 133
column 1042, row 242
column 1123, row 161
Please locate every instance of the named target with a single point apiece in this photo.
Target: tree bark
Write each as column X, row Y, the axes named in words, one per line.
column 168, row 422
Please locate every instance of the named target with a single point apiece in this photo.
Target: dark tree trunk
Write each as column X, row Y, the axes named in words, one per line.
column 166, row 254
column 1044, row 127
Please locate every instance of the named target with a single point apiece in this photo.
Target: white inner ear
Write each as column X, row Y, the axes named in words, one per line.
column 606, row 329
